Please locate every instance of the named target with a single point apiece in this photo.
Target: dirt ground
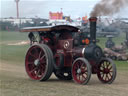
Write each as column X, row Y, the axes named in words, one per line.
column 15, row 82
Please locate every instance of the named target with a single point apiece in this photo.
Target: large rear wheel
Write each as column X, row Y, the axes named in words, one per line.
column 38, row 62
column 81, row 71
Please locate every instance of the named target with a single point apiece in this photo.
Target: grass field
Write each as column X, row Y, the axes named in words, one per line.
column 15, row 82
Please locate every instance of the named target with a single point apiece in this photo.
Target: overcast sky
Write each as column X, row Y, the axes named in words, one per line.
column 41, row 8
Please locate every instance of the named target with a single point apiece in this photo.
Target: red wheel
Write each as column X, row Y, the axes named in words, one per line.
column 38, row 62
column 106, row 71
column 81, row 71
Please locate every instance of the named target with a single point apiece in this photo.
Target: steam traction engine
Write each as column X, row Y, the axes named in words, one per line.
column 67, row 52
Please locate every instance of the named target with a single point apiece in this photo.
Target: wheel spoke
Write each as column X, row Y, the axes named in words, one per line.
column 77, row 65
column 85, row 71
column 103, row 75
column 40, row 54
column 33, row 55
column 35, row 48
column 43, row 62
column 42, row 65
column 33, row 70
column 106, row 77
column 101, row 70
column 110, row 68
column 83, row 76
column 82, row 65
column 78, row 77
column 42, row 57
column 103, row 66
column 110, row 74
column 108, row 64
column 42, row 70
column 37, row 73
column 30, row 63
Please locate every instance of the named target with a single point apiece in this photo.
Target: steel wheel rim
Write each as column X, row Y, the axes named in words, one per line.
column 80, row 72
column 36, row 62
column 105, row 71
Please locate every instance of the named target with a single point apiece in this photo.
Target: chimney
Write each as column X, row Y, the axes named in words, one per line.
column 93, row 21
column 17, row 8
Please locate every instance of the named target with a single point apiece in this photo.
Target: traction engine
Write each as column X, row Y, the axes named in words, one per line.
column 68, row 53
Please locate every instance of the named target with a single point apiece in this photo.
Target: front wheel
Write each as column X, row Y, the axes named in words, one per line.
column 81, row 71
column 106, row 71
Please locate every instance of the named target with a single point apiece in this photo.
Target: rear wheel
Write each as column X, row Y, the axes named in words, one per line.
column 38, row 62
column 106, row 71
column 81, row 71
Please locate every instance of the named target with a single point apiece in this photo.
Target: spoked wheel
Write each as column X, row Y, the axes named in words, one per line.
column 81, row 71
column 38, row 62
column 106, row 71
column 63, row 76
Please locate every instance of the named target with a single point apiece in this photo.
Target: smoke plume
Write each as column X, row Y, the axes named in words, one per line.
column 108, row 7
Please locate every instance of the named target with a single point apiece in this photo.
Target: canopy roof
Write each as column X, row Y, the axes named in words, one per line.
column 50, row 28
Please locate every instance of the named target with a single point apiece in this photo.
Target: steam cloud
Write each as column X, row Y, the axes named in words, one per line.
column 108, row 7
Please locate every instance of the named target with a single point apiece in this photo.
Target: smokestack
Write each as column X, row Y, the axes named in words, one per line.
column 93, row 21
